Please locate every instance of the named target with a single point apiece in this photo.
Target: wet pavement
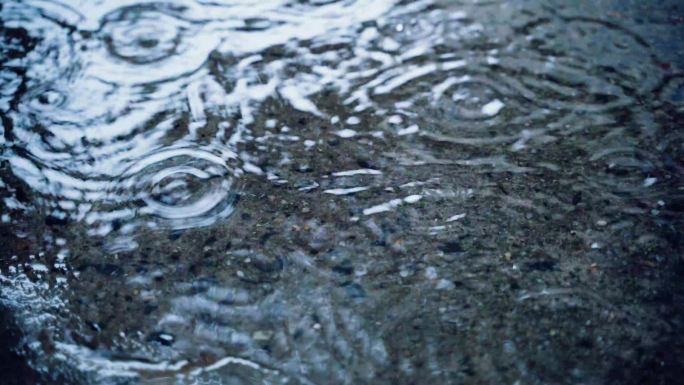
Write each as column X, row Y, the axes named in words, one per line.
column 342, row 192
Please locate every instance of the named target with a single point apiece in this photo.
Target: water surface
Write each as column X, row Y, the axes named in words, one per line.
column 343, row 191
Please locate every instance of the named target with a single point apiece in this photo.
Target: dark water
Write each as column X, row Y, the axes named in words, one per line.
column 342, row 191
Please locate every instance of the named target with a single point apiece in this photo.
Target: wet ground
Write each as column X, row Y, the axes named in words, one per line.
column 342, row 192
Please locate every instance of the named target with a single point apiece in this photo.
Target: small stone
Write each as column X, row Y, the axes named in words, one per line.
column 492, row 108
column 452, row 247
column 601, row 222
column 395, row 119
column 355, row 291
column 94, row 326
column 353, row 120
column 444, row 284
column 165, row 339
column 577, row 198
column 431, row 273
column 648, row 182
column 262, row 335
column 345, row 267
column 346, row 133
column 594, row 268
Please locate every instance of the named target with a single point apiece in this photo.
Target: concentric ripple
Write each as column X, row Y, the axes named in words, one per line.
column 627, row 62
column 150, row 42
column 141, row 36
column 476, row 103
column 492, row 86
column 39, row 43
column 627, row 170
column 67, row 104
column 181, row 187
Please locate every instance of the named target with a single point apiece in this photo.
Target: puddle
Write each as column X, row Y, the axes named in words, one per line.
column 342, row 191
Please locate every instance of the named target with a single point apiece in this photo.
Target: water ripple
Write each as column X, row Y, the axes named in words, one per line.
column 185, row 187
column 145, row 43
column 326, row 191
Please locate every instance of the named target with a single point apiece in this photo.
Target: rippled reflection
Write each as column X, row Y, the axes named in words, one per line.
column 339, row 191
column 185, row 187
